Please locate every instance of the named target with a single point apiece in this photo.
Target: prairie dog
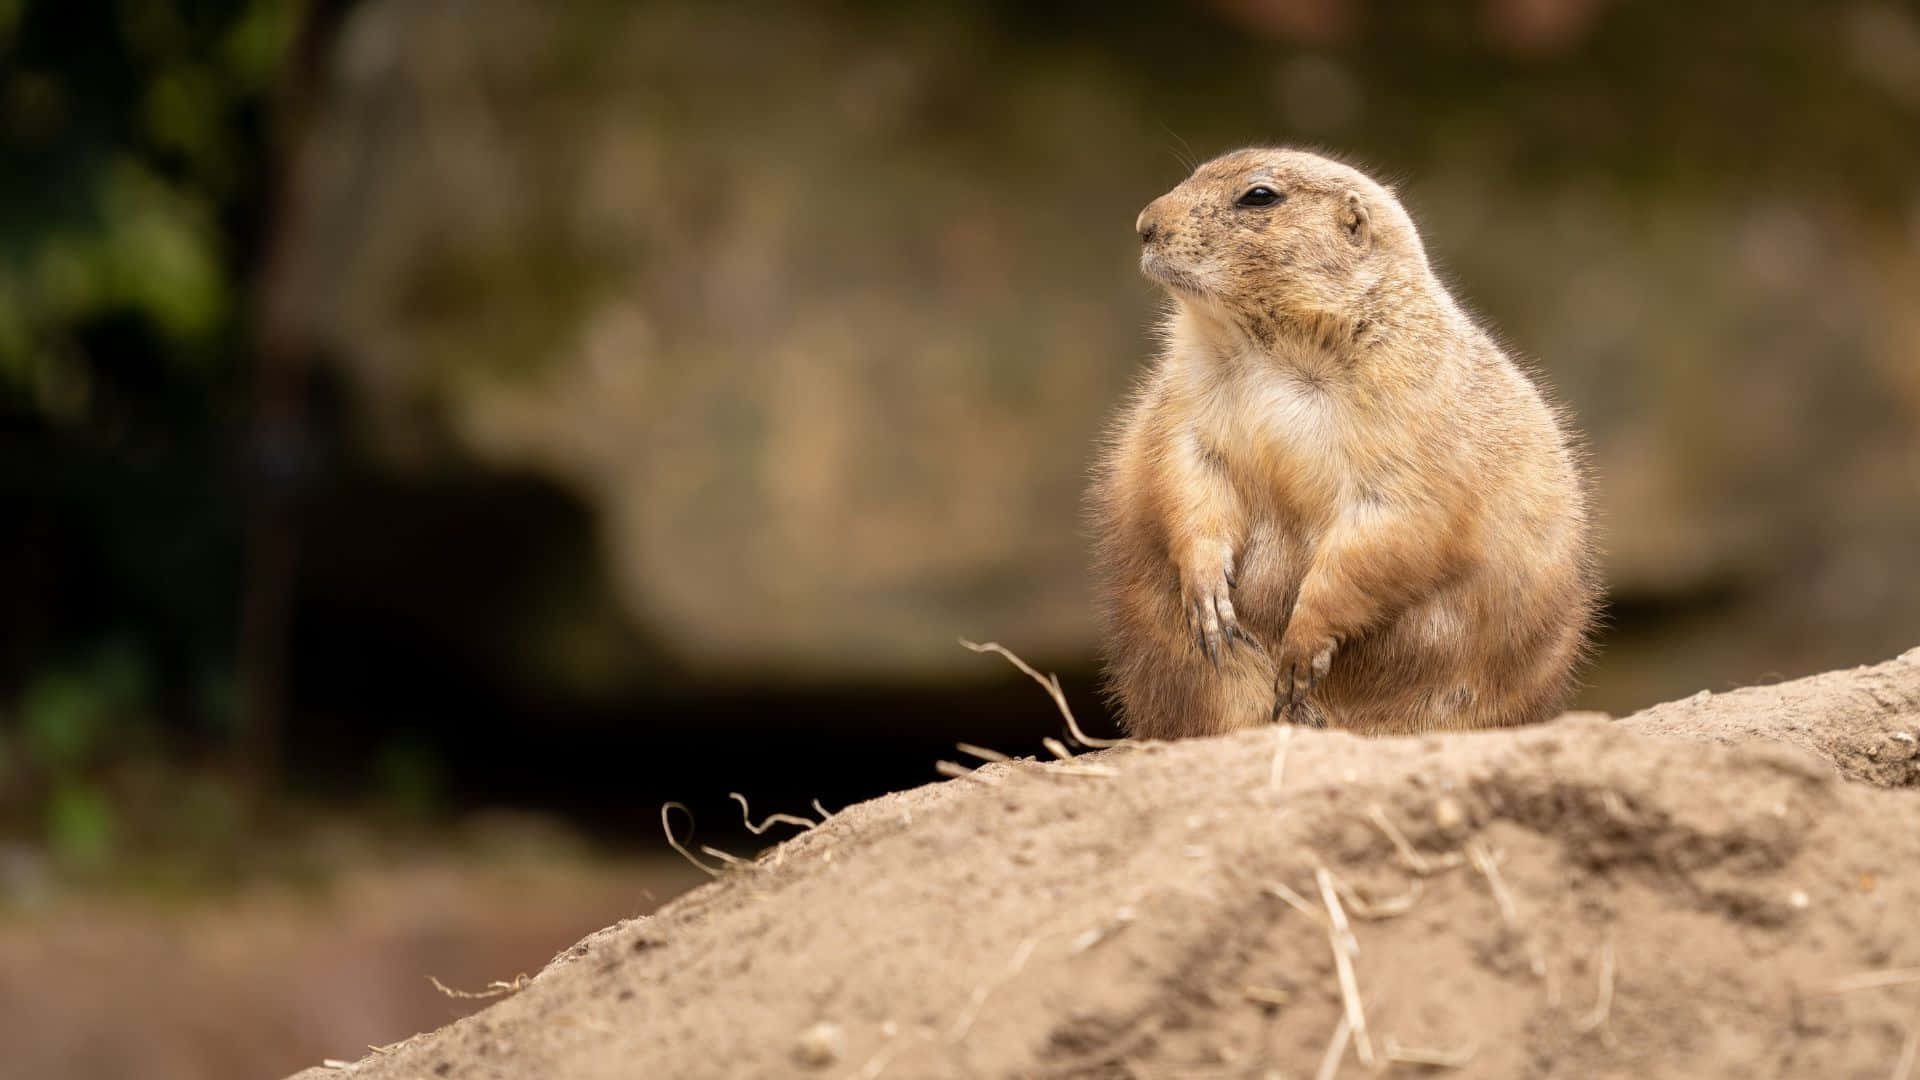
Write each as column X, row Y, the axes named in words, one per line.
column 1332, row 499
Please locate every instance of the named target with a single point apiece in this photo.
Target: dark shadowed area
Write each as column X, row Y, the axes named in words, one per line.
column 433, row 436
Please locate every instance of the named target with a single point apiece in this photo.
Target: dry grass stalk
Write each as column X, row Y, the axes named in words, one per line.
column 1102, row 771
column 1267, row 995
column 667, row 827
column 1277, row 773
column 1416, row 862
column 1873, row 980
column 1603, row 1003
column 1430, row 1058
column 982, row 752
column 1051, row 683
column 1057, row 748
column 979, row 996
column 746, row 817
column 494, row 989
column 1345, row 945
column 957, row 771
column 1483, row 861
column 1381, row 909
column 1299, row 903
column 1122, row 919
column 1903, row 1069
column 1336, row 1050
column 730, row 860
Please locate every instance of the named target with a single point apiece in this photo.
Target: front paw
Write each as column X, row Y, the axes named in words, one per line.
column 1300, row 664
column 1206, row 588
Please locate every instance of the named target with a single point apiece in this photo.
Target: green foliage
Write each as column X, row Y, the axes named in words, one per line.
column 74, row 723
column 131, row 142
column 159, row 255
column 136, row 142
column 80, row 825
column 137, row 147
column 255, row 45
column 73, row 717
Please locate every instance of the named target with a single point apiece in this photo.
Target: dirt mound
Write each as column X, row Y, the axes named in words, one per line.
column 1725, row 886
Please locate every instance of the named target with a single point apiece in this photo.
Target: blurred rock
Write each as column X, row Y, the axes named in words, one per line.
column 828, row 344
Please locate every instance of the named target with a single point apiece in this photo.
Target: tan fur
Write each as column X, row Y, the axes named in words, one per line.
column 1333, row 498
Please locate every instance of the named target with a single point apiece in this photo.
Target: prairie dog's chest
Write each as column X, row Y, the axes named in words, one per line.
column 1272, row 426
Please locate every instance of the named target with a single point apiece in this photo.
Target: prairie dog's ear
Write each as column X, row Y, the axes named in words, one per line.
column 1356, row 221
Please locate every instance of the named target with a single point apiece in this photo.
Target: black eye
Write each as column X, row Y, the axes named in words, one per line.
column 1260, row 196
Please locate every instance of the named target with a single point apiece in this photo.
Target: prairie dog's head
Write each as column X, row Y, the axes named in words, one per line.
column 1276, row 235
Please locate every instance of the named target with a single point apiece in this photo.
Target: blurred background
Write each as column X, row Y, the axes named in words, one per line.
column 434, row 434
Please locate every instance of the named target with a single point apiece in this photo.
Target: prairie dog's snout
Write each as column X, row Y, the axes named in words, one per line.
column 1147, row 224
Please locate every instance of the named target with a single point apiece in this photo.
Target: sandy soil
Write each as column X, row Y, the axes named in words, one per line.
column 1723, row 886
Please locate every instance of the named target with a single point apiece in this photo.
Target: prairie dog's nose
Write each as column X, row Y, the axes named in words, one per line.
column 1148, row 223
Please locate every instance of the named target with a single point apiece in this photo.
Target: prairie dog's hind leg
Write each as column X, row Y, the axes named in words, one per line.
column 1167, row 687
column 1185, row 695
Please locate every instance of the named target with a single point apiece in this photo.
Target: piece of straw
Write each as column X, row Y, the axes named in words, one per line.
column 1051, row 683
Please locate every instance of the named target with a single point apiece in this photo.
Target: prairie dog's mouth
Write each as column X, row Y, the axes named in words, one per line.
column 1161, row 269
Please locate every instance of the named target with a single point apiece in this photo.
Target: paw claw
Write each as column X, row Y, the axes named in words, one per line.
column 1211, row 620
column 1296, row 673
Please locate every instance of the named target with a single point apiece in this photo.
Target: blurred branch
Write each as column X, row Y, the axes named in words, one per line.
column 278, row 445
